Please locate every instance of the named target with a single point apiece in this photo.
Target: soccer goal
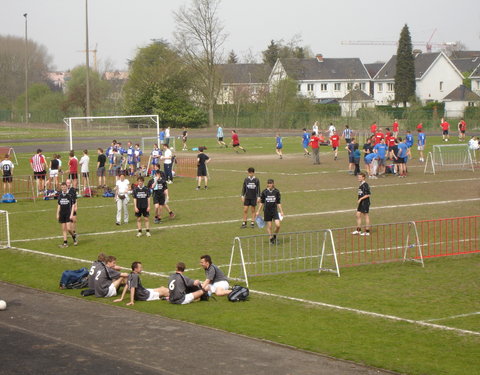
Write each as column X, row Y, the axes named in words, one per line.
column 9, row 151
column 4, row 229
column 449, row 157
column 111, row 126
column 147, row 142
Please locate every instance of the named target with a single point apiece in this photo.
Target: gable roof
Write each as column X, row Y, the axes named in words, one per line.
column 328, row 69
column 373, row 68
column 244, row 73
column 462, row 94
column 423, row 61
column 476, row 72
column 466, row 65
column 357, row 95
column 464, row 54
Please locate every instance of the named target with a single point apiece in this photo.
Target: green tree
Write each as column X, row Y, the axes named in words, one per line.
column 232, row 57
column 405, row 69
column 76, row 90
column 160, row 83
column 271, row 54
column 44, row 104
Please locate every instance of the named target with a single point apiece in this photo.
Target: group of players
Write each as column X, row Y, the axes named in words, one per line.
column 105, row 280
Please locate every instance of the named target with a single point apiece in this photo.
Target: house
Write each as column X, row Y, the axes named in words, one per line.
column 242, row 82
column 475, row 79
column 466, row 65
column 373, row 69
column 322, row 79
column 58, row 80
column 355, row 100
column 435, row 75
column 460, row 98
column 117, row 80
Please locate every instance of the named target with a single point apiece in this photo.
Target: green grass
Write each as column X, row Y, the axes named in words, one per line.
column 445, row 287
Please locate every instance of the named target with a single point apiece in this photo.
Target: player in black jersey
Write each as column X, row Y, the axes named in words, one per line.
column 363, row 206
column 202, row 161
column 158, row 185
column 73, row 193
column 141, row 204
column 270, row 199
column 65, row 214
column 250, row 196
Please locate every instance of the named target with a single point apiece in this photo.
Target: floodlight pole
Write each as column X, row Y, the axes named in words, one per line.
column 87, row 62
column 26, row 67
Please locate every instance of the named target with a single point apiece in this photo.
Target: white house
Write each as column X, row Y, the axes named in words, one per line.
column 435, row 76
column 460, row 98
column 355, row 100
column 322, row 79
column 242, row 82
column 475, row 79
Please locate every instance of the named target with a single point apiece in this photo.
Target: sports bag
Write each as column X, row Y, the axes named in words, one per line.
column 74, row 279
column 238, row 293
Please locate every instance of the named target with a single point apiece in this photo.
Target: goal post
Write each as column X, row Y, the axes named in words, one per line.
column 9, row 151
column 4, row 229
column 69, row 122
column 449, row 157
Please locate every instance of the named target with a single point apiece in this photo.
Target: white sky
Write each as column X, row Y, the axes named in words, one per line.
column 121, row 26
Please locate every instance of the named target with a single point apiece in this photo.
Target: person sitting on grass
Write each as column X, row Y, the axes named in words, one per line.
column 137, row 291
column 108, row 279
column 215, row 281
column 183, row 290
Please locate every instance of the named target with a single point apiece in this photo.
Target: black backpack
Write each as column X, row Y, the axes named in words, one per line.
column 238, row 293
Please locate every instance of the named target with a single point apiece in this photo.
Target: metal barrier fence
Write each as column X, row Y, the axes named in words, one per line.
column 22, row 187
column 331, row 249
column 185, row 166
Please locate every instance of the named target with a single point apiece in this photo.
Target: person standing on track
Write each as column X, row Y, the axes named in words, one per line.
column 363, row 208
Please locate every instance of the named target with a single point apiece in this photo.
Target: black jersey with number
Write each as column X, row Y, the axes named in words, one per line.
column 251, row 188
column 178, row 286
column 270, row 199
column 159, row 186
column 65, row 202
column 141, row 194
column 363, row 190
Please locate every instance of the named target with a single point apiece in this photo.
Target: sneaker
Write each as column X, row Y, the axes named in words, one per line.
column 139, row 234
column 356, row 232
column 244, row 225
column 273, row 240
column 171, row 215
column 75, row 242
column 365, row 234
column 63, row 245
column 197, row 188
column 148, row 234
column 118, row 223
column 252, row 224
column 206, row 187
column 156, row 220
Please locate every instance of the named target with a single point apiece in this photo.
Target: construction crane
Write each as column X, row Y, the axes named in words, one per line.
column 94, row 52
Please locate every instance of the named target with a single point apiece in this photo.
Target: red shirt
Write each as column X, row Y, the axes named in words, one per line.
column 335, row 140
column 314, row 141
column 390, row 140
column 373, row 128
column 235, row 139
column 462, row 125
column 73, row 165
column 38, row 163
column 395, row 126
column 379, row 137
column 419, row 126
column 388, row 134
column 445, row 125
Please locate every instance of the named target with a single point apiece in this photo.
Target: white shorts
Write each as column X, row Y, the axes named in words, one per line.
column 153, row 295
column 420, row 148
column 219, row 284
column 188, row 299
column 53, row 172
column 112, row 291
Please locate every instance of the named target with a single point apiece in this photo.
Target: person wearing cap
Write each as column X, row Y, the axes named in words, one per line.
column 270, row 200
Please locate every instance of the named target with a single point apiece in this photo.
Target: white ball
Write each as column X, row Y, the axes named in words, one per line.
column 3, row 304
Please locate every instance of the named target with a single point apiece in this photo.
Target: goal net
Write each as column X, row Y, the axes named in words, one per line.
column 449, row 157
column 9, row 151
column 4, row 229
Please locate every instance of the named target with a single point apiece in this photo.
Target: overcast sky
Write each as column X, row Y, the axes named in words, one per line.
column 119, row 27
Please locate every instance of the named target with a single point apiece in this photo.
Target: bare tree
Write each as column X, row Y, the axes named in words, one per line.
column 199, row 36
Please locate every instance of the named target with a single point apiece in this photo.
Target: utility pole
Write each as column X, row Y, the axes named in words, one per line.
column 26, row 68
column 87, row 60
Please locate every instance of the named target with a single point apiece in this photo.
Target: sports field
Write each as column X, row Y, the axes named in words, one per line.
column 400, row 317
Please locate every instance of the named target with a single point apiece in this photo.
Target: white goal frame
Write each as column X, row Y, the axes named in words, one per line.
column 5, row 243
column 68, row 122
column 435, row 159
column 171, row 142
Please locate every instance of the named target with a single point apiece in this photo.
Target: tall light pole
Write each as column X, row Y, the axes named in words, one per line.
column 87, row 60
column 26, row 68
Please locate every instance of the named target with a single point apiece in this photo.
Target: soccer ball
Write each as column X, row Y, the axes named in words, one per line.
column 3, row 304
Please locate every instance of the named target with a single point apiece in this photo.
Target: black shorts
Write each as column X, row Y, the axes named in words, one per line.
column 39, row 175
column 142, row 212
column 445, row 132
column 348, row 140
column 202, row 170
column 250, row 202
column 363, row 207
column 236, row 144
column 64, row 217
column 73, row 176
column 351, row 159
column 158, row 198
column 462, row 131
column 220, row 139
column 8, row 178
column 85, row 174
column 101, row 171
column 400, row 161
column 270, row 216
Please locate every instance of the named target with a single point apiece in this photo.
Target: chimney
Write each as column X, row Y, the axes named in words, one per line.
column 319, row 57
column 416, row 52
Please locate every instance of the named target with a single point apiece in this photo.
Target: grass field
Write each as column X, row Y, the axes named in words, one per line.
column 317, row 312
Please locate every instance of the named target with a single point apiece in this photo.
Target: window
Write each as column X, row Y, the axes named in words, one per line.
column 380, row 87
column 390, row 87
column 323, row 87
column 362, row 86
column 310, row 87
column 349, row 86
column 299, row 87
column 337, row 86
column 441, row 85
column 471, row 104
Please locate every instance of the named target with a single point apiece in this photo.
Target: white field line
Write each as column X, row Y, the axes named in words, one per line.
column 453, row 317
column 283, row 192
column 236, row 220
column 301, row 300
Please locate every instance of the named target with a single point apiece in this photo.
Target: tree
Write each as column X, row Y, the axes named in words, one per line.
column 76, row 90
column 271, row 54
column 12, row 66
column 405, row 69
column 199, row 35
column 278, row 49
column 160, row 83
column 44, row 103
column 232, row 57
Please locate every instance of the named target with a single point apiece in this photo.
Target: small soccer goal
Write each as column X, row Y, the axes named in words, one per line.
column 449, row 157
column 4, row 229
column 5, row 150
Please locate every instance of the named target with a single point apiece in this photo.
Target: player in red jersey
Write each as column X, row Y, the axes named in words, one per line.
column 462, row 127
column 235, row 142
column 395, row 128
column 445, row 127
column 379, row 136
column 335, row 142
column 420, row 126
column 373, row 128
